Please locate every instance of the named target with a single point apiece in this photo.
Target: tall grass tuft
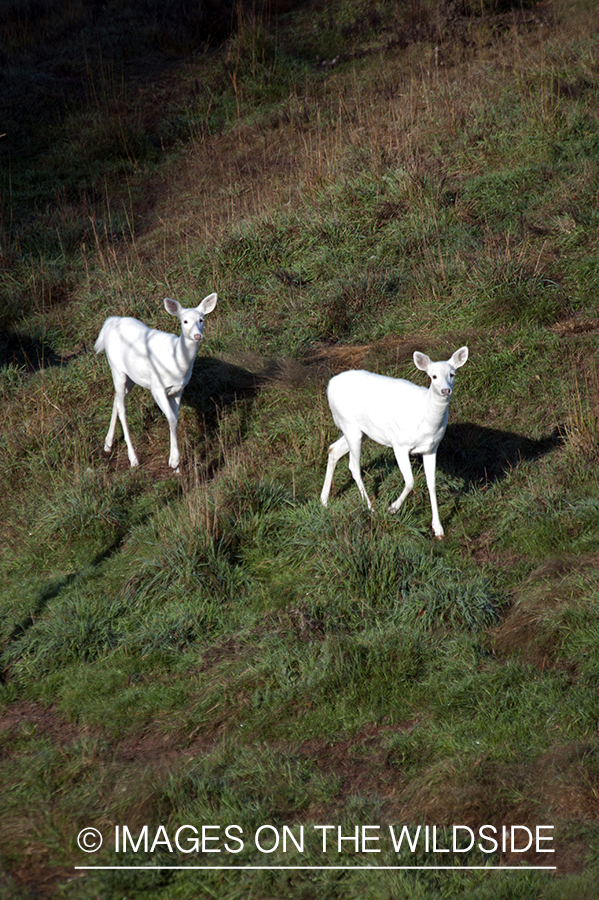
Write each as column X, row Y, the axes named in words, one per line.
column 402, row 579
column 582, row 423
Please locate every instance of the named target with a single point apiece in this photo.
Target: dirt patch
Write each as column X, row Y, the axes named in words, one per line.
column 36, row 875
column 338, row 357
column 130, row 767
column 36, row 880
column 576, row 325
column 154, row 750
column 362, row 764
column 24, row 715
column 212, row 656
column 553, row 790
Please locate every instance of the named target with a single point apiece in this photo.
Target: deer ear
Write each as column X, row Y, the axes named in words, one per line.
column 208, row 304
column 172, row 306
column 421, row 361
column 459, row 357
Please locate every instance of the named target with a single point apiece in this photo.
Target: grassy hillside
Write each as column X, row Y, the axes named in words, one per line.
column 356, row 180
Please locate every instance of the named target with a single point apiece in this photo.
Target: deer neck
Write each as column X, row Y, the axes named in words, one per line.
column 185, row 352
column 436, row 407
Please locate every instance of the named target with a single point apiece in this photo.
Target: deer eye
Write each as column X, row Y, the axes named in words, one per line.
column 434, row 377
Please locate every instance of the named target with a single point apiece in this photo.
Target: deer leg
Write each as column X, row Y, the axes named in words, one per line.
column 336, row 451
column 355, row 448
column 403, row 461
column 122, row 386
column 111, row 427
column 170, row 408
column 429, row 461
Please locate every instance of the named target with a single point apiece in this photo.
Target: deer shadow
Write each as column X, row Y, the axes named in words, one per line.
column 217, row 387
column 26, row 352
column 481, row 455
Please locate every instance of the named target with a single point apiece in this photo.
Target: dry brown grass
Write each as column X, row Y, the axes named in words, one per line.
column 582, row 423
column 278, row 162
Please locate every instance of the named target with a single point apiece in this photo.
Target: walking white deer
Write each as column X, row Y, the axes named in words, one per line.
column 156, row 360
column 395, row 413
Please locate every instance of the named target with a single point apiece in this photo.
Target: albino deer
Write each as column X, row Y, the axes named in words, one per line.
column 155, row 360
column 395, row 413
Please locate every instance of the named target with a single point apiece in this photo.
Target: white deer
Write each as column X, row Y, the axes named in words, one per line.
column 156, row 360
column 395, row 413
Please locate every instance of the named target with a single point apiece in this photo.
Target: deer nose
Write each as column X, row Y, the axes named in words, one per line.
column 198, row 336
column 446, row 392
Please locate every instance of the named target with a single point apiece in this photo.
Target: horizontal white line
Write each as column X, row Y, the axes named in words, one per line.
column 325, row 868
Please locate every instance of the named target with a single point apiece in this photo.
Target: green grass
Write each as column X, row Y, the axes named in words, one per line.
column 357, row 181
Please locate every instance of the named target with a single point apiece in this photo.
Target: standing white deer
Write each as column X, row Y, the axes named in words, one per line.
column 395, row 413
column 156, row 360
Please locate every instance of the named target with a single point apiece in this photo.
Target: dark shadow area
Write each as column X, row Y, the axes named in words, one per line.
column 216, row 385
column 26, row 352
column 216, row 388
column 58, row 58
column 44, row 598
column 483, row 455
column 80, row 110
column 477, row 454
